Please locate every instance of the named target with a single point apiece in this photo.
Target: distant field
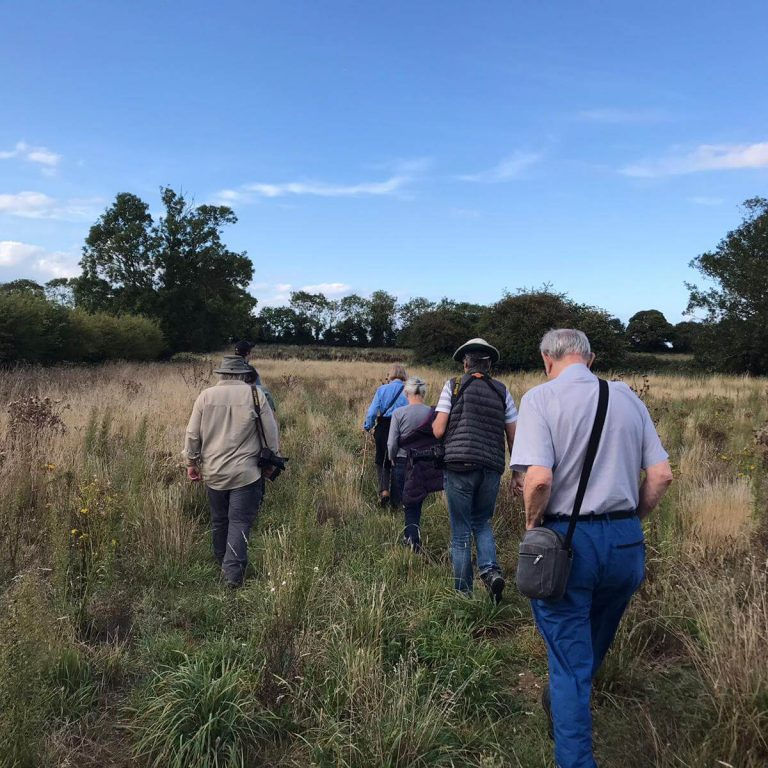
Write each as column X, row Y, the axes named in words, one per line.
column 637, row 362
column 119, row 648
column 321, row 352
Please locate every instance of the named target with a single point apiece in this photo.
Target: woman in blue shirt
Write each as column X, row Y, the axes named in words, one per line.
column 388, row 397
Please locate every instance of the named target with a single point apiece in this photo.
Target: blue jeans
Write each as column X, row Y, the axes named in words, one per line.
column 412, row 512
column 233, row 513
column 471, row 498
column 608, row 567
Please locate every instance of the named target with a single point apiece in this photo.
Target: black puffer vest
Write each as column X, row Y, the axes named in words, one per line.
column 476, row 433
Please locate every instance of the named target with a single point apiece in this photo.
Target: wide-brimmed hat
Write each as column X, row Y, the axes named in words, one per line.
column 234, row 364
column 477, row 346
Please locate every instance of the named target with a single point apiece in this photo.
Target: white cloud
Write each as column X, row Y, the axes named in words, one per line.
column 322, row 189
column 511, row 167
column 41, row 156
column 279, row 294
column 704, row 200
column 402, row 174
column 13, row 252
column 38, row 205
column 36, row 258
column 328, row 289
column 706, row 157
column 615, row 115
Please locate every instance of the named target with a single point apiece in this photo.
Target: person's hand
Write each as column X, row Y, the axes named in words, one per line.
column 193, row 473
column 518, row 481
column 268, row 471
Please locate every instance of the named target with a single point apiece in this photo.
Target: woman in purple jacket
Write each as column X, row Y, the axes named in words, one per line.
column 410, row 433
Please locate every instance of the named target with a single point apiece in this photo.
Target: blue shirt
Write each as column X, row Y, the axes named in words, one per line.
column 385, row 394
column 553, row 430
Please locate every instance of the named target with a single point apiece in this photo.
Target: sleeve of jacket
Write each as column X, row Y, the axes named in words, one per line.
column 269, row 422
column 192, row 438
column 394, row 436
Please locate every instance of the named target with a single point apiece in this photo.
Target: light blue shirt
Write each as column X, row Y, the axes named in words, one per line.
column 385, row 394
column 553, row 430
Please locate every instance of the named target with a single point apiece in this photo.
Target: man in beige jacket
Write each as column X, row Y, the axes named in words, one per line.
column 222, row 446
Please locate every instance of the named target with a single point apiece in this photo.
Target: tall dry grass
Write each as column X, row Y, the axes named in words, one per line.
column 346, row 649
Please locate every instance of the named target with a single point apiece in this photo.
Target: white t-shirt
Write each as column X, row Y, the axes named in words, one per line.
column 444, row 403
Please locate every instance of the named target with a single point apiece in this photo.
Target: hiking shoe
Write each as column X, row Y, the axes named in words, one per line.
column 546, row 704
column 495, row 584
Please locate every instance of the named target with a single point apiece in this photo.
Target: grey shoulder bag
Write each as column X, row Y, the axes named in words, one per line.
column 545, row 557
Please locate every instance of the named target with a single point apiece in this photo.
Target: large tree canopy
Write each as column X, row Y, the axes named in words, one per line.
column 176, row 270
column 517, row 323
column 736, row 302
column 649, row 331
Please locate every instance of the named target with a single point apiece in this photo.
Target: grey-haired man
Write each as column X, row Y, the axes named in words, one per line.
column 476, row 416
column 222, row 445
column 553, row 431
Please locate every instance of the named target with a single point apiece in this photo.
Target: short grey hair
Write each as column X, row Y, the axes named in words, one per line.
column 234, row 376
column 560, row 342
column 415, row 386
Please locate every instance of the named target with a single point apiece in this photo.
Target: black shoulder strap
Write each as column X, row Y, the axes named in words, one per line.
column 457, row 392
column 394, row 399
column 501, row 395
column 259, row 423
column 589, row 458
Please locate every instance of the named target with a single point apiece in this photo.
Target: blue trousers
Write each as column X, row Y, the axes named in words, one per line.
column 471, row 498
column 232, row 515
column 412, row 512
column 608, row 567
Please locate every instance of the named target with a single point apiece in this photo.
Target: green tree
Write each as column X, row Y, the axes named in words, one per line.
column 685, row 335
column 382, row 308
column 735, row 305
column 437, row 334
column 284, row 325
column 316, row 308
column 201, row 294
column 649, row 331
column 176, row 270
column 407, row 313
column 60, row 290
column 352, row 322
column 517, row 322
column 120, row 260
column 606, row 335
column 23, row 287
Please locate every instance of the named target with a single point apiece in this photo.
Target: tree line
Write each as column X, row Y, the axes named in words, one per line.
column 175, row 279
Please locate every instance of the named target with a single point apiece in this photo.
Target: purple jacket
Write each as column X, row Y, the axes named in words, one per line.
column 422, row 477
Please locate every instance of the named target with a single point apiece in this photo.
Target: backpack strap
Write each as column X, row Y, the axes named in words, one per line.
column 393, row 400
column 458, row 389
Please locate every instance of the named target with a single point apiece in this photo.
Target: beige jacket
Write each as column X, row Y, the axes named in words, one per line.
column 223, row 438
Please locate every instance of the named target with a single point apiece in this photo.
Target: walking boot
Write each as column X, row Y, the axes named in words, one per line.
column 494, row 583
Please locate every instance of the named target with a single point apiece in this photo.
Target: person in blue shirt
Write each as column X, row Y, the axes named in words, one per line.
column 388, row 397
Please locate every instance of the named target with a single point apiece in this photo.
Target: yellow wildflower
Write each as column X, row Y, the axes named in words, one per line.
column 74, row 531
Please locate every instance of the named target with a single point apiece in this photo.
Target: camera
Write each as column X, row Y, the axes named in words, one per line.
column 268, row 458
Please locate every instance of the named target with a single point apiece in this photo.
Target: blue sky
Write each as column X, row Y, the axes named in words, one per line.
column 427, row 148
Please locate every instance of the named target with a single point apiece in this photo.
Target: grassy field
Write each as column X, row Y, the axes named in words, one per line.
column 118, row 647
